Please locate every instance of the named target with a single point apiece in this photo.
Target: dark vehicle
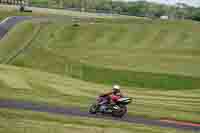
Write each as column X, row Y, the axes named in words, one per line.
column 119, row 109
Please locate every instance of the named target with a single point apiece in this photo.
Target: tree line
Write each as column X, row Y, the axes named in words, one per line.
column 138, row 8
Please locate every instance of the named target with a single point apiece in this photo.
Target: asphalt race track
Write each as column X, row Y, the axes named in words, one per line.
column 67, row 111
column 9, row 22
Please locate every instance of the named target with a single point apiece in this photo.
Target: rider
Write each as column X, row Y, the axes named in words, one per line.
column 113, row 96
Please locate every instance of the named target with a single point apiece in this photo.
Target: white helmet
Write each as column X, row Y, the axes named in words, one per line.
column 117, row 87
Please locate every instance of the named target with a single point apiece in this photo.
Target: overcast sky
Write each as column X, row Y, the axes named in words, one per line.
column 189, row 2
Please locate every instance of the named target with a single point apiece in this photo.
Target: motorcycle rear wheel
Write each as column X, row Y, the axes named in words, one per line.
column 93, row 109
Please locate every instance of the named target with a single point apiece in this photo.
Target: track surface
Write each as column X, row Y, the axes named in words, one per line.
column 38, row 107
column 9, row 22
column 6, row 25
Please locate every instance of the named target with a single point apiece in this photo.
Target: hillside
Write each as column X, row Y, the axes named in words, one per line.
column 149, row 54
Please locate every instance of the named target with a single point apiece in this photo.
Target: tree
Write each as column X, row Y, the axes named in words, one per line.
column 196, row 14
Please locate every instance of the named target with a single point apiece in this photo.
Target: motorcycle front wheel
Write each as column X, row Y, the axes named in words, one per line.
column 119, row 112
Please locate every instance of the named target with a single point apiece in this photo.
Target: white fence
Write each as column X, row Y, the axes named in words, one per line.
column 14, row 2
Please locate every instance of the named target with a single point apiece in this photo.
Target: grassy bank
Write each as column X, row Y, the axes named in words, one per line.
column 88, row 51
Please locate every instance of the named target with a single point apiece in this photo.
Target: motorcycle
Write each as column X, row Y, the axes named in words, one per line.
column 119, row 109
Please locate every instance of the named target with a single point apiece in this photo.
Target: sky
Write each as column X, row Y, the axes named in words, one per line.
column 189, row 2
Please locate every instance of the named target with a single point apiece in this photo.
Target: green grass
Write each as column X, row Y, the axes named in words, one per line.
column 39, row 2
column 132, row 53
column 29, row 85
column 25, row 30
column 15, row 121
column 157, row 61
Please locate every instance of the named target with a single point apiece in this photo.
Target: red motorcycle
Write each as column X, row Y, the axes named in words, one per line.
column 118, row 109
